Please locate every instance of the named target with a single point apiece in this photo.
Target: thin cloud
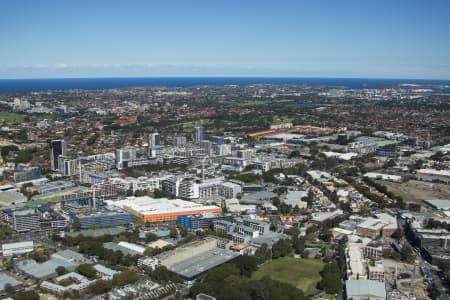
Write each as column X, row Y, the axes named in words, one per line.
column 61, row 66
column 150, row 69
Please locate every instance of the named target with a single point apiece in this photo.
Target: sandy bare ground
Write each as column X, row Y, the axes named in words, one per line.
column 417, row 191
column 404, row 285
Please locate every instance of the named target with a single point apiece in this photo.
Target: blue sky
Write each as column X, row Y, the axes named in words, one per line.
column 316, row 38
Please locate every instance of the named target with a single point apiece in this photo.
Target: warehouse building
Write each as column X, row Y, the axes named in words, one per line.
column 152, row 210
column 321, row 217
column 39, row 271
column 439, row 204
column 294, row 198
column 125, row 247
column 258, row 198
column 104, row 272
column 8, row 280
column 365, row 289
column 69, row 257
column 195, row 258
column 433, row 175
column 11, row 249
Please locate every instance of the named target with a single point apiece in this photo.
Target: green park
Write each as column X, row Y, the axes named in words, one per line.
column 301, row 273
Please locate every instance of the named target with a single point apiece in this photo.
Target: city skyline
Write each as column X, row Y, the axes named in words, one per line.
column 51, row 39
column 225, row 149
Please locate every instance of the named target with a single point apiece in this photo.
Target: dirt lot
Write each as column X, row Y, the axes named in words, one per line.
column 417, row 191
column 404, row 285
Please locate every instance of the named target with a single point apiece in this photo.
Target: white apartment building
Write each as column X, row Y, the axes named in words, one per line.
column 11, row 249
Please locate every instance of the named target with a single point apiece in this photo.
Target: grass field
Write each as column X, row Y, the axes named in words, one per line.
column 301, row 273
column 251, row 103
column 11, row 117
column 45, row 200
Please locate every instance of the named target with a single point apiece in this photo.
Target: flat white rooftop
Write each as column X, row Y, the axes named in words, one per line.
column 343, row 156
column 146, row 205
column 383, row 176
column 443, row 204
column 434, row 172
column 385, row 221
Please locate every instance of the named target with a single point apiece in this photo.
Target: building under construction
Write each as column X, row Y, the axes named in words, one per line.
column 434, row 244
column 89, row 211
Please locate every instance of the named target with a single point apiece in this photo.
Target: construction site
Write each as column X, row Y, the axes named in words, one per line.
column 405, row 281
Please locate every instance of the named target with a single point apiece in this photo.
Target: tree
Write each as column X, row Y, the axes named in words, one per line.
column 282, row 248
column 363, row 210
column 407, row 253
column 148, row 252
column 246, row 264
column 25, row 155
column 298, row 244
column 331, row 278
column 162, row 194
column 76, row 226
column 183, row 231
column 202, row 234
column 414, row 207
column 280, row 190
column 334, row 197
column 60, row 270
column 9, row 289
column 140, row 193
column 276, row 201
column 10, row 148
column 173, row 233
column 151, row 237
column 267, row 288
column 397, row 234
column 162, row 274
column 263, row 253
column 225, row 283
column 5, row 232
column 125, row 277
column 326, row 236
column 416, row 165
column 341, row 258
column 26, row 295
column 389, row 164
column 9, row 264
column 87, row 270
column 438, row 156
column 189, row 238
column 269, row 176
column 92, row 139
column 309, row 198
column 293, row 231
column 100, row 286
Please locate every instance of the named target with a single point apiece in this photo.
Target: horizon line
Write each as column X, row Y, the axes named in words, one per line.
column 228, row 76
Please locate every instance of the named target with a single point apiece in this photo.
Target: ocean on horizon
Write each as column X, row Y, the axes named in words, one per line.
column 30, row 85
